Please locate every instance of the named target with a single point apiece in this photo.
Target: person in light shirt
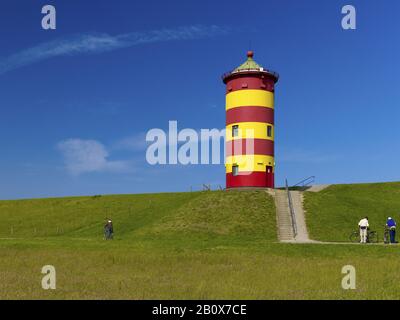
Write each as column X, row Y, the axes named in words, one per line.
column 363, row 225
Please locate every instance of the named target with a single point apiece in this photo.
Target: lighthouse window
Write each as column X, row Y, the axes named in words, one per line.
column 235, row 170
column 235, row 131
column 269, row 131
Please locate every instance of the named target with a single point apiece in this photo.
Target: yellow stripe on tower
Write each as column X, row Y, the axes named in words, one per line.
column 249, row 163
column 249, row 97
column 250, row 130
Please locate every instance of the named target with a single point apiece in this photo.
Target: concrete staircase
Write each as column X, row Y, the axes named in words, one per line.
column 283, row 217
column 297, row 201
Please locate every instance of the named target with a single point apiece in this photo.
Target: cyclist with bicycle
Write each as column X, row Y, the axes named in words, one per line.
column 391, row 225
column 363, row 225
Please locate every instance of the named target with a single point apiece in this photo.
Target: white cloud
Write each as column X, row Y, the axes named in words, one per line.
column 83, row 156
column 100, row 42
column 133, row 143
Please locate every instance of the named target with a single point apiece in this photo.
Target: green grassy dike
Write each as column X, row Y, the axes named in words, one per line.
column 333, row 213
column 203, row 245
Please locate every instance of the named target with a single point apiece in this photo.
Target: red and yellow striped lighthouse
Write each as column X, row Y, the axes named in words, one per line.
column 250, row 125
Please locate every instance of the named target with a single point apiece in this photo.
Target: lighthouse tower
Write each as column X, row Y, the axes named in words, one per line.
column 250, row 125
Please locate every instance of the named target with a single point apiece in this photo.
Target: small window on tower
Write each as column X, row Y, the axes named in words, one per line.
column 235, row 170
column 235, row 131
column 269, row 131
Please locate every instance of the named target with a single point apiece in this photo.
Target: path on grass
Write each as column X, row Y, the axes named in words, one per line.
column 318, row 188
column 281, row 241
column 302, row 233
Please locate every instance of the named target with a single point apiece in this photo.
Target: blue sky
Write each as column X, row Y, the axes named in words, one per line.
column 112, row 71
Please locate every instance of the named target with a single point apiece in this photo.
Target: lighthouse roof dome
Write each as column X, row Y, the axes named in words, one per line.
column 249, row 64
column 249, row 67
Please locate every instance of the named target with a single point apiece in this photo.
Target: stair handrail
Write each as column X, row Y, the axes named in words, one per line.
column 291, row 208
column 303, row 182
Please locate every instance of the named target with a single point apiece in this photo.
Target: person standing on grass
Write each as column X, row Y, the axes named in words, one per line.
column 363, row 225
column 391, row 225
column 111, row 229
column 108, row 229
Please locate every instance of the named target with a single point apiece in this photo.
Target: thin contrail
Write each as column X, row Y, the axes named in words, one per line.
column 94, row 43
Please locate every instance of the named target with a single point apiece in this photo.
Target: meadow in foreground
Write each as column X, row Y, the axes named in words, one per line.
column 207, row 245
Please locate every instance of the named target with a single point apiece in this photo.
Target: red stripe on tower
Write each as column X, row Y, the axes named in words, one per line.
column 249, row 114
column 250, row 146
column 249, row 82
column 249, row 179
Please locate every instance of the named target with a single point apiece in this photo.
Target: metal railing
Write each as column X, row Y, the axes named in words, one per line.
column 273, row 73
column 305, row 182
column 292, row 213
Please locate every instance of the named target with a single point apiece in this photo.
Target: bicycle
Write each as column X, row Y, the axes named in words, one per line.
column 386, row 236
column 372, row 237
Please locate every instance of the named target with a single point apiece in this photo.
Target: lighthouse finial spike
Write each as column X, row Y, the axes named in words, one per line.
column 250, row 54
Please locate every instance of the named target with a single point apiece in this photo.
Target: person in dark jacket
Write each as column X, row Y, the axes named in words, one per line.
column 111, row 229
column 391, row 225
column 108, row 230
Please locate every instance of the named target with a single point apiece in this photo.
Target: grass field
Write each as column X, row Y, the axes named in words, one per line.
column 201, row 216
column 203, row 245
column 334, row 213
column 123, row 270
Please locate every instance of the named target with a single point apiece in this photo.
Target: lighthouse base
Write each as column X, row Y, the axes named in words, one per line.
column 250, row 179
